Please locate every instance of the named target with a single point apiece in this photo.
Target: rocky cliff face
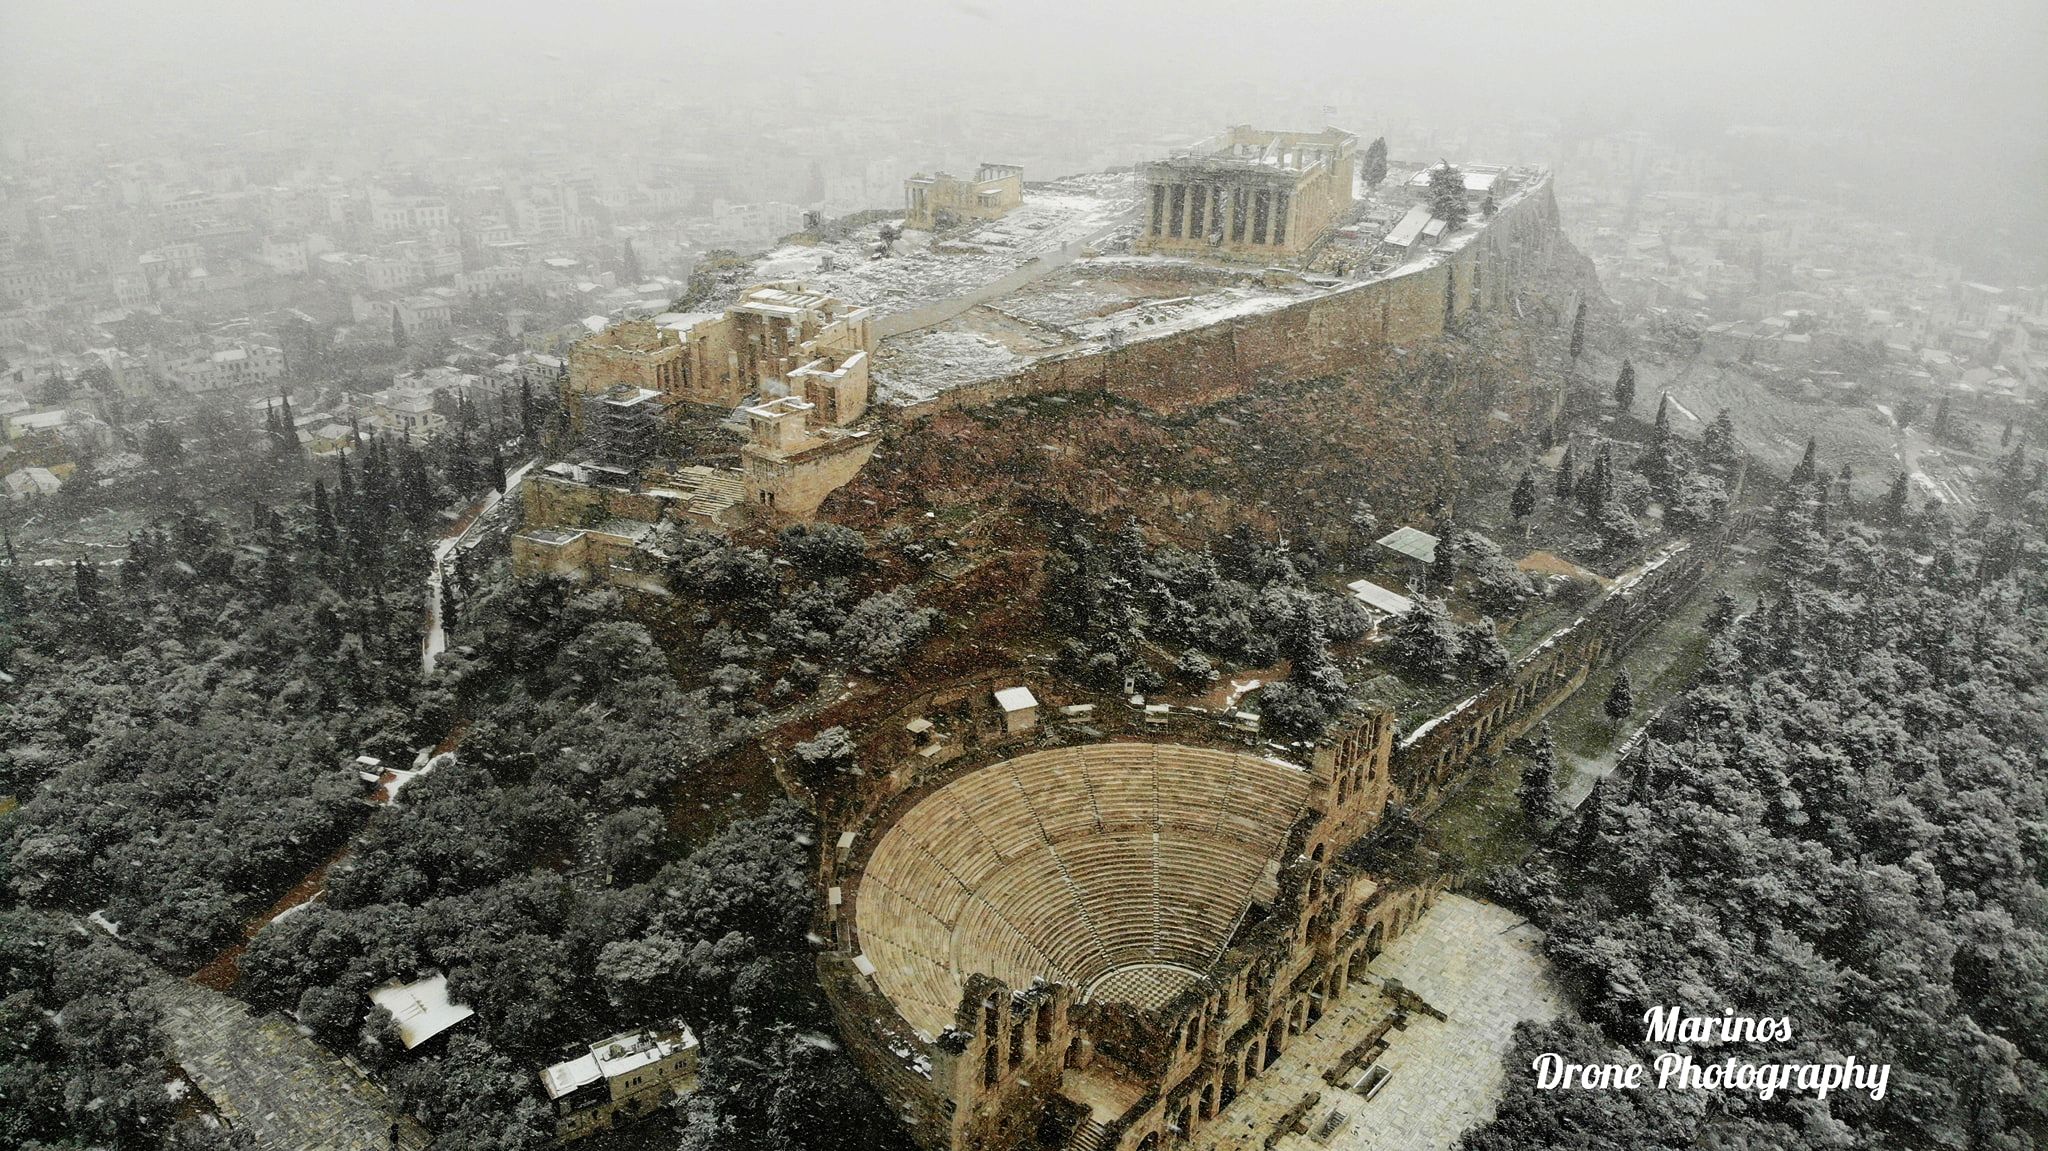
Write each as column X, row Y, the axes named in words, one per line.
column 1399, row 394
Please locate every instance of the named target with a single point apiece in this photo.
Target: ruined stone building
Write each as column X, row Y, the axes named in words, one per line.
column 594, row 521
column 930, row 201
column 1247, row 194
column 796, row 454
column 777, row 336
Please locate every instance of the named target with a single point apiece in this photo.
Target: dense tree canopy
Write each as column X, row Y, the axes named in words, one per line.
column 1846, row 827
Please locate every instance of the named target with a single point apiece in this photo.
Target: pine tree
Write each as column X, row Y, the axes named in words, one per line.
column 1538, row 792
column 1808, row 466
column 86, row 583
column 277, row 576
column 1621, row 698
column 1567, row 475
column 1589, row 821
column 1723, row 616
column 1625, row 387
column 1645, row 781
column 1597, row 484
column 1718, row 443
column 1443, row 563
column 345, row 481
column 1523, row 502
column 287, row 427
column 1447, row 196
column 326, row 536
column 1374, row 167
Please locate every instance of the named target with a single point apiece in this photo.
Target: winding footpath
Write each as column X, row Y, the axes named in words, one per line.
column 484, row 515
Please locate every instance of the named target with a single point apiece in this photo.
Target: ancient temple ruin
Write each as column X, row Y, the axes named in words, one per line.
column 1247, row 194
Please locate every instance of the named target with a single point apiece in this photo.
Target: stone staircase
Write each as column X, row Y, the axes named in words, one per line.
column 1091, row 1135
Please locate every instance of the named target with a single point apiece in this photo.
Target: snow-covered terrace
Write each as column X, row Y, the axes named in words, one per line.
column 1054, row 220
column 1096, row 302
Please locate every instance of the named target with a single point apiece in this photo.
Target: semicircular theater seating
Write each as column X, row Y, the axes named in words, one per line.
column 1121, row 868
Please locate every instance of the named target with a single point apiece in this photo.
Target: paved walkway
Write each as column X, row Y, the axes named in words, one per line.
column 1480, row 965
column 269, row 1080
column 435, row 641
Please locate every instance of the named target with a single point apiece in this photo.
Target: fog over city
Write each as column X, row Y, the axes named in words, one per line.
column 1934, row 114
column 1088, row 575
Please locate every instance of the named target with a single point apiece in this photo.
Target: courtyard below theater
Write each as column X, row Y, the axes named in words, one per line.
column 1466, row 973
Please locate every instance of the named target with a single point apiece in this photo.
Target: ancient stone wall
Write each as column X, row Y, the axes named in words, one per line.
column 1430, row 758
column 1321, row 336
column 783, row 486
column 546, row 502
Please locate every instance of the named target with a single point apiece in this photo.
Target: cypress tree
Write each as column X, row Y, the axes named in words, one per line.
column 1621, row 698
column 1523, row 502
column 1589, row 821
column 326, row 536
column 1644, row 782
column 345, row 479
column 1375, row 162
column 86, row 583
column 1538, row 792
column 1809, row 464
column 1578, row 344
column 1625, row 387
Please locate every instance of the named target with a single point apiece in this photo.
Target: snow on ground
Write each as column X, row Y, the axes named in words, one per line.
column 924, row 271
column 944, row 360
column 1185, row 313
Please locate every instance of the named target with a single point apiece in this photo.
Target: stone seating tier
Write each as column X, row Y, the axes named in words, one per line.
column 1118, row 867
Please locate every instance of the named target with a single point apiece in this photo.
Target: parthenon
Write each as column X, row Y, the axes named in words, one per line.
column 1247, row 194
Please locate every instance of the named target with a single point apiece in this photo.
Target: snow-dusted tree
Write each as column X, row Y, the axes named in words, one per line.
column 1625, row 387
column 1621, row 698
column 883, row 628
column 1374, row 164
column 1522, row 504
column 1447, row 196
column 1425, row 641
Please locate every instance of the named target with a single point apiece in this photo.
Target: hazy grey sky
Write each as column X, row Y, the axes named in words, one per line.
column 1960, row 82
column 1965, row 67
